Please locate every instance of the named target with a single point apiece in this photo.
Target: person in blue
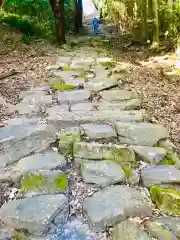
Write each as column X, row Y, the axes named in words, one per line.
column 95, row 23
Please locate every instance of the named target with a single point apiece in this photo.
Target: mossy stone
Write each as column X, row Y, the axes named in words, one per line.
column 171, row 158
column 63, row 86
column 45, row 181
column 20, row 235
column 158, row 231
column 67, row 140
column 168, row 200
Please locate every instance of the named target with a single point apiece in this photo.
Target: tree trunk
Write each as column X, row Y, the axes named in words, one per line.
column 1, row 3
column 155, row 22
column 144, row 27
column 58, row 11
column 78, row 16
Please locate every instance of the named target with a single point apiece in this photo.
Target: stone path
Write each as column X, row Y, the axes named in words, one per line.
column 86, row 161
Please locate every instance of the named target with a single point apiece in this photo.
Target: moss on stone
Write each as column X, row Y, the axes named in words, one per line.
column 168, row 200
column 33, row 182
column 20, row 235
column 66, row 69
column 38, row 182
column 81, row 75
column 60, row 182
column 66, row 143
column 171, row 158
column 63, row 86
column 128, row 172
column 108, row 65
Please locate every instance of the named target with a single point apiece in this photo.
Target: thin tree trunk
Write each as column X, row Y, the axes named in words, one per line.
column 58, row 10
column 156, row 22
column 78, row 16
column 144, row 28
column 1, row 3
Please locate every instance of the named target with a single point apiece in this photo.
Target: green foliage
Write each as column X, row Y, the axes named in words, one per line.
column 34, row 18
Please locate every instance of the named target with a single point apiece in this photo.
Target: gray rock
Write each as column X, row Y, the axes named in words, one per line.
column 98, row 131
column 97, row 85
column 129, row 104
column 56, row 109
column 94, row 151
column 44, row 182
column 34, row 214
column 38, row 98
column 19, row 141
column 160, row 174
column 74, row 96
column 84, row 106
column 74, row 230
column 102, row 173
column 6, row 234
column 129, row 230
column 23, row 121
column 114, row 204
column 118, row 95
column 108, row 116
column 172, row 223
column 62, row 119
column 63, row 60
column 24, row 108
column 47, row 160
column 147, row 134
column 159, row 232
column 152, row 155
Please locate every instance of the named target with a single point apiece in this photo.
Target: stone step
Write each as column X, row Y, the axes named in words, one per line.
column 35, row 214
column 120, row 154
column 114, row 204
column 18, row 141
column 147, row 134
column 67, row 119
column 117, row 95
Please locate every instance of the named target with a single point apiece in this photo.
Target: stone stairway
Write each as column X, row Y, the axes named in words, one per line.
column 86, row 161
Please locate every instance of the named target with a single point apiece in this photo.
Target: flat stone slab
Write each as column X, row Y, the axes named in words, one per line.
column 69, row 119
column 97, row 85
column 129, row 104
column 160, row 174
column 158, row 231
column 23, row 121
column 74, row 96
column 35, row 214
column 172, row 223
column 129, row 230
column 114, row 204
column 39, row 98
column 152, row 155
column 98, row 131
column 18, row 141
column 141, row 134
column 109, row 116
column 83, row 106
column 117, row 95
column 62, row 119
column 43, row 182
column 47, row 160
column 97, row 151
column 102, row 173
column 57, row 108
